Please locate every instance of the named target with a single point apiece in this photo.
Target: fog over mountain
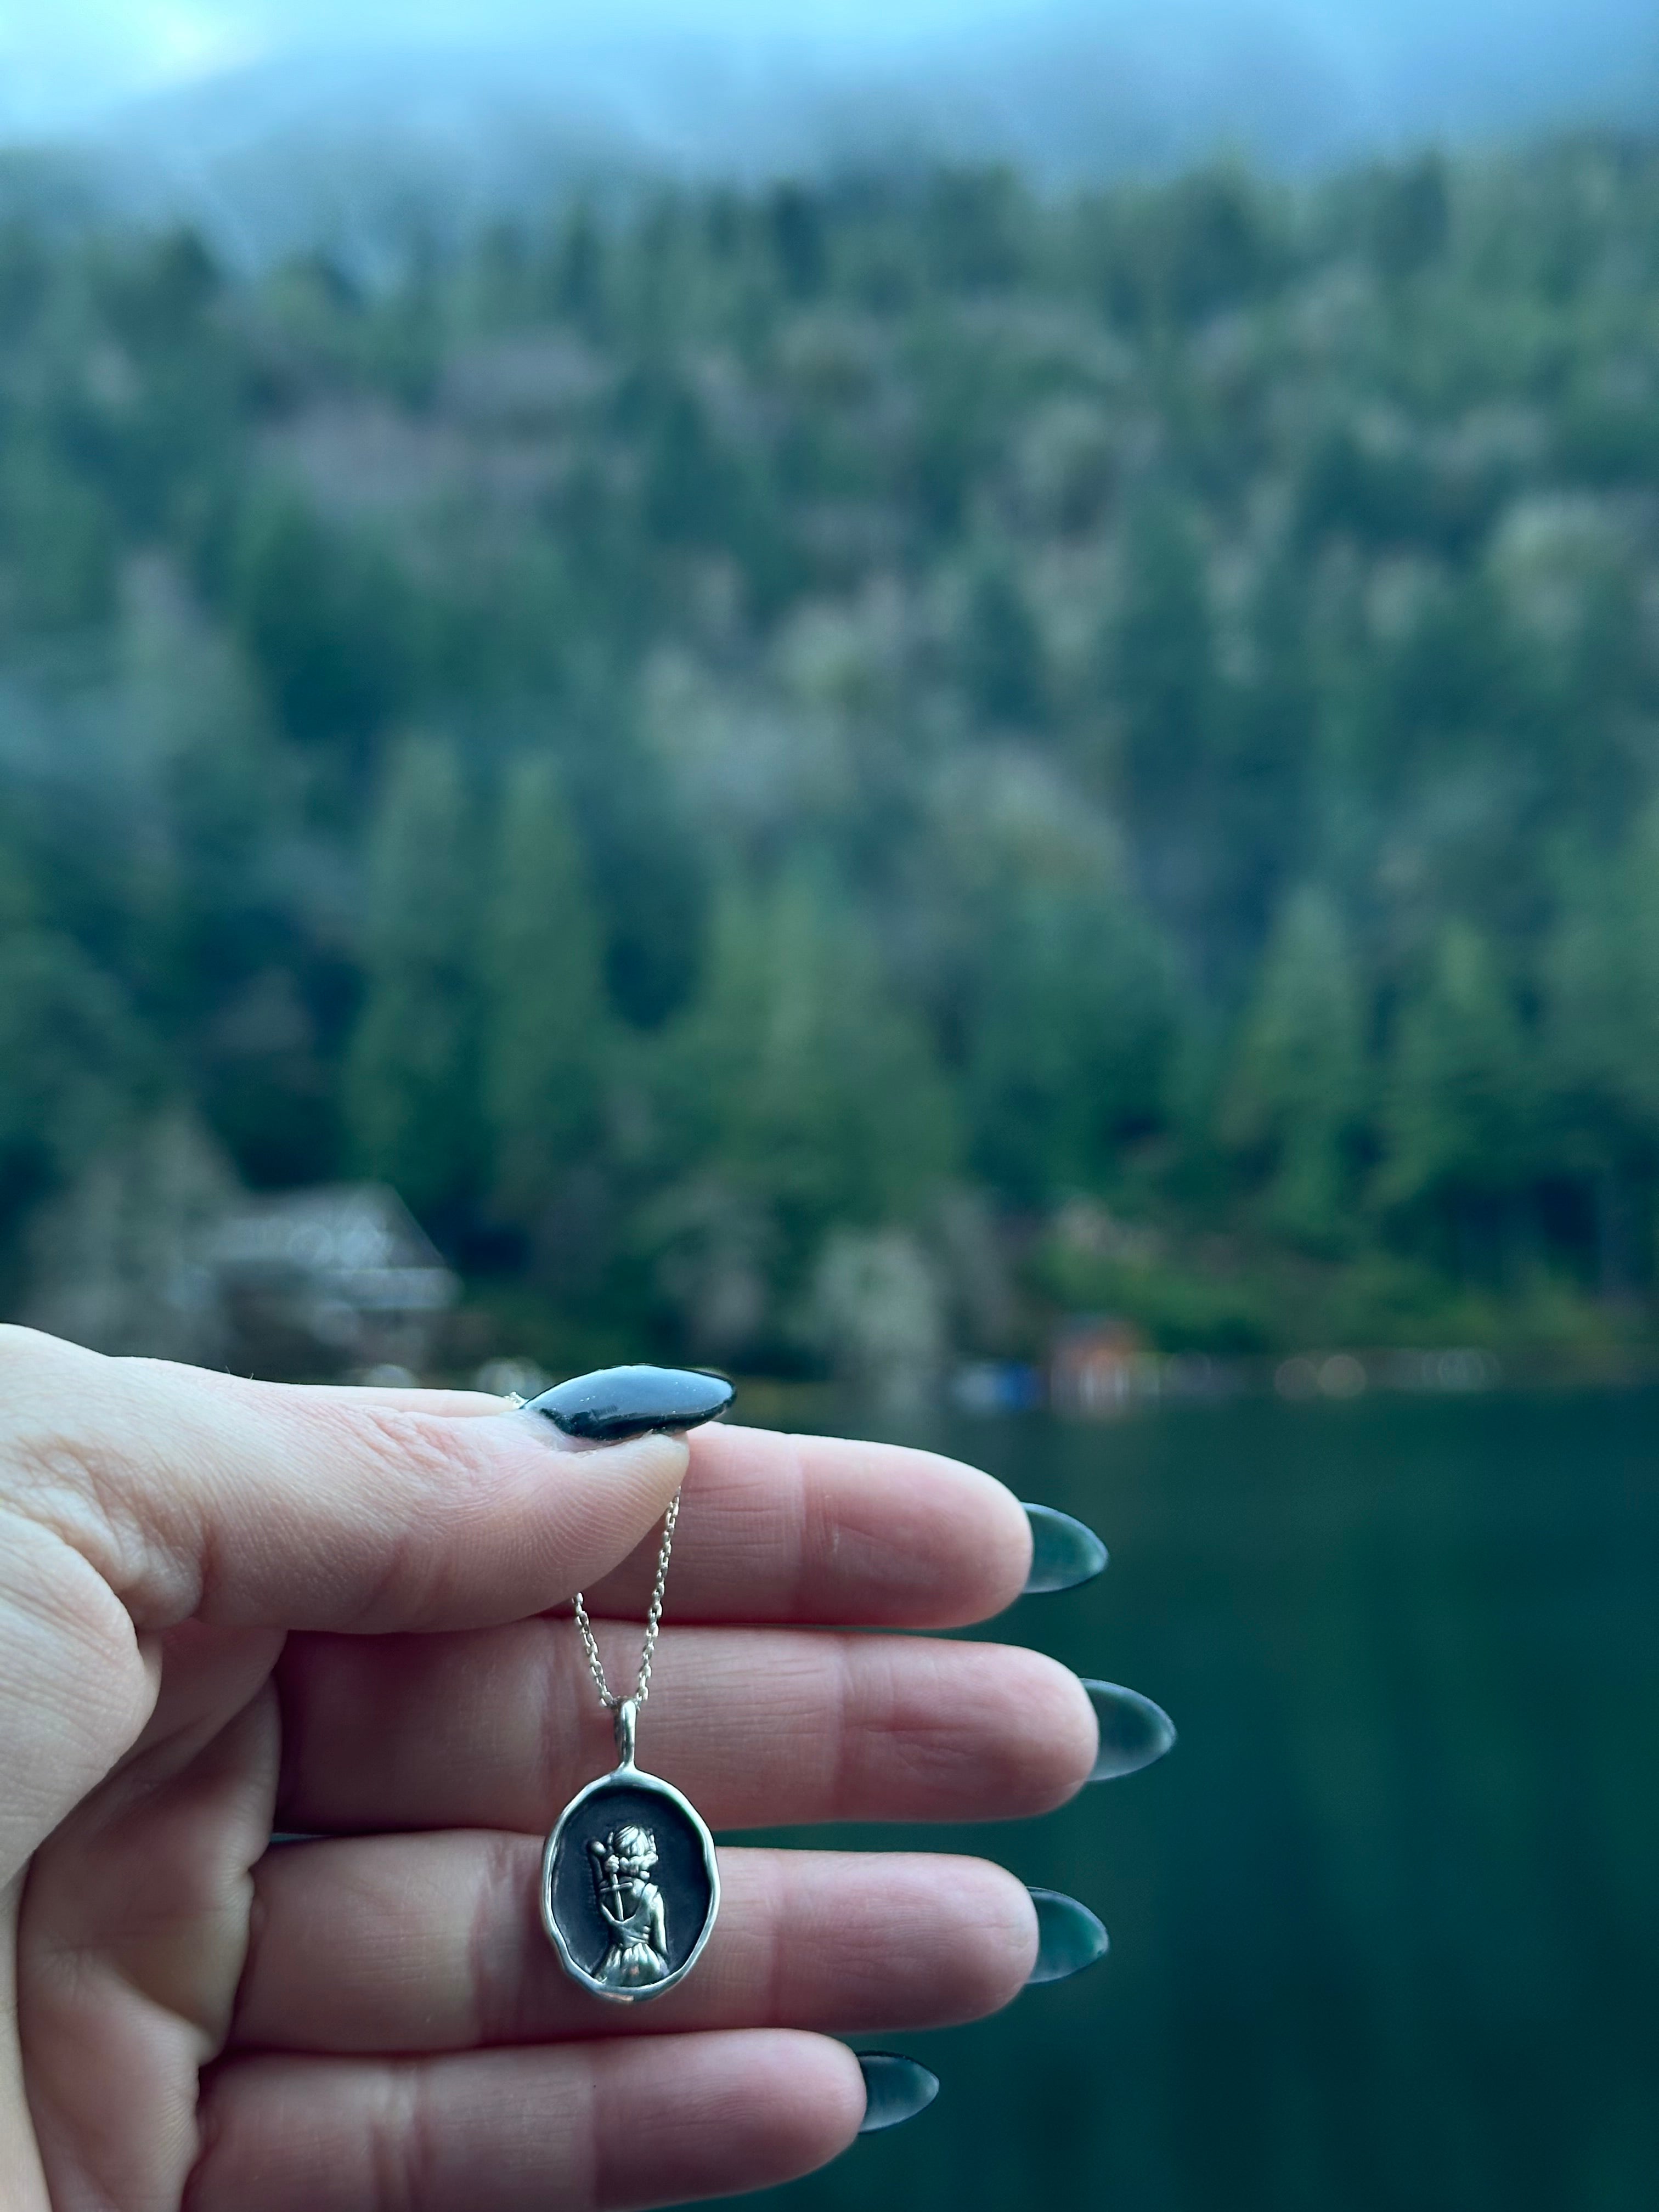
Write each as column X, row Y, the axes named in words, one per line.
column 349, row 134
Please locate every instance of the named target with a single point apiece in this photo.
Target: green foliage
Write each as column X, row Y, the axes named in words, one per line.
column 1410, row 215
column 1002, row 652
column 1072, row 1040
column 1179, row 1309
column 323, row 621
column 1160, row 662
column 57, row 546
column 410, row 1080
column 546, row 1024
column 73, row 1063
column 796, row 221
column 1295, row 1098
column 1458, row 1124
column 1164, row 682
column 1204, row 243
column 802, row 1084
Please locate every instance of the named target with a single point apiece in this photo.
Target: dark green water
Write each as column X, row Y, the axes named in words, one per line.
column 1386, row 1923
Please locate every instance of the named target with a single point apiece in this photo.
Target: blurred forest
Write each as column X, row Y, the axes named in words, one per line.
column 872, row 764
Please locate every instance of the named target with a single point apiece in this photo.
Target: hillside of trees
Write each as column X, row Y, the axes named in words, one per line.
column 903, row 755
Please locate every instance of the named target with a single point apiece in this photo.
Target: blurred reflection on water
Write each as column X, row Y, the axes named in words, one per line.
column 1385, row 1927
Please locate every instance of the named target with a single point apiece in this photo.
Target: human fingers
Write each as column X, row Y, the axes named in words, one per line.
column 606, row 2127
column 759, row 1727
column 452, row 1404
column 409, row 1943
column 199, row 1495
column 783, row 1528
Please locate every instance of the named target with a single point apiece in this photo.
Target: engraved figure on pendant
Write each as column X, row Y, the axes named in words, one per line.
column 633, row 1909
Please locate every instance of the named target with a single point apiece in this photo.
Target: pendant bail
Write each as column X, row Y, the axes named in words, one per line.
column 627, row 1720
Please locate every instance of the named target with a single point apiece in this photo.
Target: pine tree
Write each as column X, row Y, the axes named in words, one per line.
column 1159, row 665
column 325, row 619
column 1069, row 1056
column 1601, row 1037
column 1002, row 652
column 74, row 1062
column 797, row 1080
column 1458, row 1121
column 1294, row 1095
column 1160, row 656
column 411, row 1088
column 1638, row 1062
column 545, row 1018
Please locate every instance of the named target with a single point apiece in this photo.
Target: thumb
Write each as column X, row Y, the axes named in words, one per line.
column 203, row 1496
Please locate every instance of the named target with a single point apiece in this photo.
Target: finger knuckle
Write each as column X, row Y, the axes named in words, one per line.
column 420, row 1458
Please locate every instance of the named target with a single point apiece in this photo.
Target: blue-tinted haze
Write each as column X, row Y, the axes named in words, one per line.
column 273, row 120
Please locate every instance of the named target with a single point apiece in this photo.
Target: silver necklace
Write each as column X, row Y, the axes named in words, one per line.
column 653, row 1622
column 629, row 1884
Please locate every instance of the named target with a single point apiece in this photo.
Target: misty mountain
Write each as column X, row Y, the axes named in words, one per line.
column 366, row 144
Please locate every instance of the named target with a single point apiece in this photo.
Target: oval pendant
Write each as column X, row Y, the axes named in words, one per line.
column 629, row 1884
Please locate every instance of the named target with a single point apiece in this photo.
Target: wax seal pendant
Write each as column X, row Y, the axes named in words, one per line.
column 629, row 1885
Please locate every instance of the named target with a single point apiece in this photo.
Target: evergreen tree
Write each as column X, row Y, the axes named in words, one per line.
column 1002, row 651
column 324, row 621
column 57, row 548
column 1639, row 1061
column 796, row 221
column 1458, row 1117
column 1160, row 667
column 1387, row 636
column 1071, row 1040
column 1257, row 826
column 545, row 1015
column 580, row 268
column 691, row 489
column 411, row 1075
column 1294, row 1096
column 1410, row 215
column 74, row 1063
column 799, row 1081
column 1601, row 1036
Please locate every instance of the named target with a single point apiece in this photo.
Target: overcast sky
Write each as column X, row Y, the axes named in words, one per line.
column 63, row 60
column 66, row 61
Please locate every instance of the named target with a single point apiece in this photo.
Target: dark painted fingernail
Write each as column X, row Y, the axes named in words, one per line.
column 619, row 1402
column 1069, row 1938
column 895, row 2090
column 1064, row 1552
column 1133, row 1731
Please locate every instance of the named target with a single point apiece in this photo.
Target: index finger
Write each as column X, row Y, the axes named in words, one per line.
column 261, row 1505
column 812, row 1529
column 820, row 1531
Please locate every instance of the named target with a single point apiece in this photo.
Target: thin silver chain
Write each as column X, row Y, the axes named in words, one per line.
column 608, row 1697
column 653, row 1622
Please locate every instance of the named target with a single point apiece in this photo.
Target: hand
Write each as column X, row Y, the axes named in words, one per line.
column 230, row 1607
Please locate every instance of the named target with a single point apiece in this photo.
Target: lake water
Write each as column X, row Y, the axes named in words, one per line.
column 1385, row 1924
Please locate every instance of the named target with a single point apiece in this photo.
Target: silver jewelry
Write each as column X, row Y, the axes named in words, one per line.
column 629, row 1883
column 652, row 1621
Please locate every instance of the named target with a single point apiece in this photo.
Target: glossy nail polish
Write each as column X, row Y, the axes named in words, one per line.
column 1133, row 1731
column 895, row 2090
column 615, row 1403
column 1064, row 1552
column 1069, row 1938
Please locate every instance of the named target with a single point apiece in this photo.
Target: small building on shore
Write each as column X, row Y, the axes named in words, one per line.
column 155, row 1248
column 1098, row 1365
column 341, row 1277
